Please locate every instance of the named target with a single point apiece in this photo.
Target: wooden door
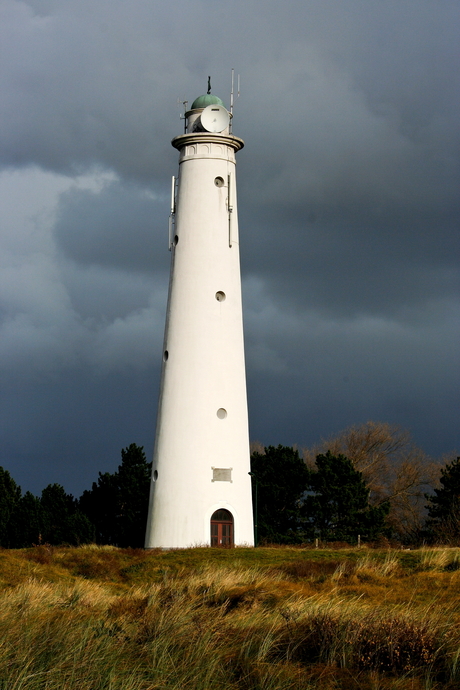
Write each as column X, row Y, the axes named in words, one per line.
column 222, row 529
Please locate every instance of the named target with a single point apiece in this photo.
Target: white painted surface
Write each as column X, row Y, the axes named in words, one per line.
column 204, row 371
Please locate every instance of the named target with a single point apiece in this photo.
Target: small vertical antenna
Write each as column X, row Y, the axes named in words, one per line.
column 232, row 94
column 172, row 213
column 230, row 208
column 182, row 117
column 231, row 101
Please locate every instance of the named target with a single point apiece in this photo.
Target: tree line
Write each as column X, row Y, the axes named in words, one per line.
column 370, row 481
column 113, row 511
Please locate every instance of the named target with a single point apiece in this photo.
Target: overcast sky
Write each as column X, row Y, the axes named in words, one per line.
column 348, row 191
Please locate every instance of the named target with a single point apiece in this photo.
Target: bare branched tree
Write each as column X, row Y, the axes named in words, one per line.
column 394, row 469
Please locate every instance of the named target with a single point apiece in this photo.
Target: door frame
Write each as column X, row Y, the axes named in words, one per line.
column 220, row 527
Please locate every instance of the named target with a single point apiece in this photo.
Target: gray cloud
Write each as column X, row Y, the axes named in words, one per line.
column 120, row 226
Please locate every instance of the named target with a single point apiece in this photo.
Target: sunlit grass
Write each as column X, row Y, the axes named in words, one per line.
column 441, row 558
column 248, row 619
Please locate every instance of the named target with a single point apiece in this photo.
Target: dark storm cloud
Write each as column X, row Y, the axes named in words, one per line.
column 348, row 207
column 385, row 263
column 81, row 81
column 71, row 427
column 309, row 374
column 119, row 226
column 82, row 292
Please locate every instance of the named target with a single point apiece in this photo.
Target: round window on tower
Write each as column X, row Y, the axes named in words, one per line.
column 220, row 296
column 221, row 413
column 219, row 181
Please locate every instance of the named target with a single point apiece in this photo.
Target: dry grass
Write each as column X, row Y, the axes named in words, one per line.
column 251, row 619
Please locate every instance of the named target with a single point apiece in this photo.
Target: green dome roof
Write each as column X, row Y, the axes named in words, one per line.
column 205, row 100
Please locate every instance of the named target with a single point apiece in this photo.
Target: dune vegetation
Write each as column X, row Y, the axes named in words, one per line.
column 102, row 618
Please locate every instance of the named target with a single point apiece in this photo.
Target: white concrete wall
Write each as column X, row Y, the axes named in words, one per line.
column 205, row 369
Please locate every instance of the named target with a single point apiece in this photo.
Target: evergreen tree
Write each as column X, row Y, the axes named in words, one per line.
column 27, row 527
column 78, row 529
column 61, row 520
column 444, row 506
column 337, row 505
column 100, row 506
column 56, row 507
column 279, row 476
column 117, row 504
column 134, row 476
column 10, row 495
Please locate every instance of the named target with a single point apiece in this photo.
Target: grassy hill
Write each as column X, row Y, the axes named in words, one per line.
column 101, row 618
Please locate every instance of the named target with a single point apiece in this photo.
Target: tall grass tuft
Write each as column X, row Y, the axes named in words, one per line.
column 440, row 558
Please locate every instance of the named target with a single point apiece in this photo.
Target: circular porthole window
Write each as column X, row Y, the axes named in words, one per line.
column 221, row 413
column 165, row 355
column 219, row 181
column 155, row 475
column 220, row 296
column 176, row 240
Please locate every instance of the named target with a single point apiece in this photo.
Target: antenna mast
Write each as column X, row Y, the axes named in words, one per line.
column 232, row 96
column 231, row 92
column 182, row 117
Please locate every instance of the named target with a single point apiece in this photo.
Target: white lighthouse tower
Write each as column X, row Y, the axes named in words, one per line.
column 201, row 490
